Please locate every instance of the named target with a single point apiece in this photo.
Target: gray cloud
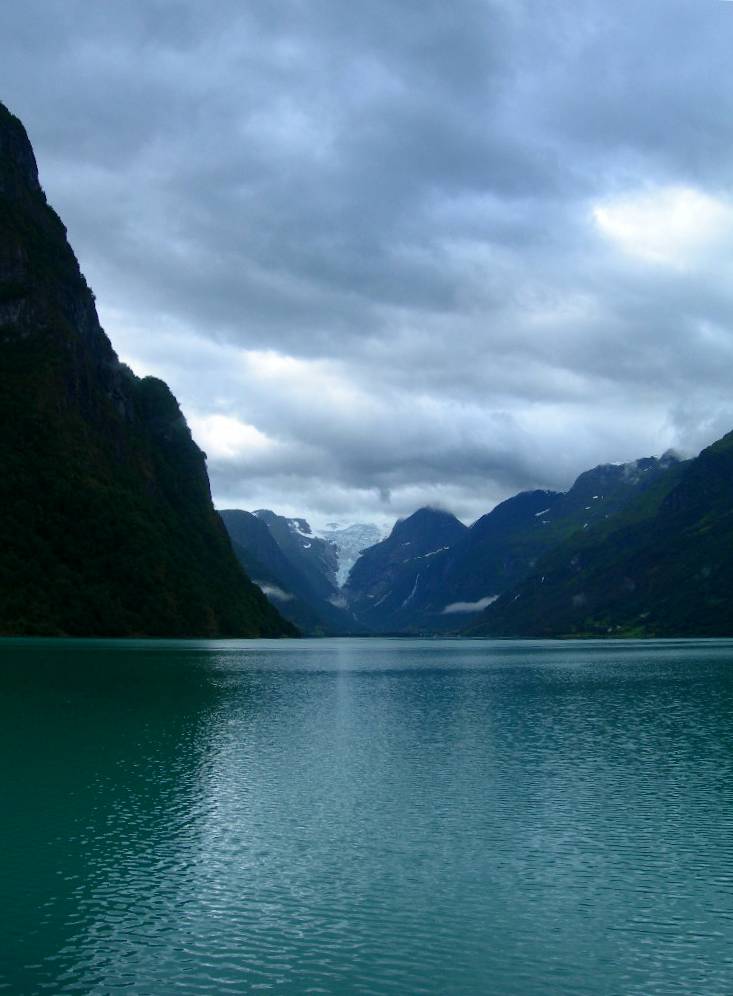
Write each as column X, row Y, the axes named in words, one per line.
column 392, row 254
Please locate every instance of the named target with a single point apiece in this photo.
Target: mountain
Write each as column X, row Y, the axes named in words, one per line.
column 501, row 548
column 498, row 549
column 107, row 525
column 661, row 567
column 295, row 569
column 349, row 541
column 315, row 558
column 386, row 579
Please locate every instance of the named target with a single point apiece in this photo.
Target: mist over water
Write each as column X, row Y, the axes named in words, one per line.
column 367, row 816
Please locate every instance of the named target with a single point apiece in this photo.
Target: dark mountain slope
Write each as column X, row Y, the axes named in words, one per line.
column 662, row 567
column 106, row 524
column 256, row 543
column 281, row 577
column 314, row 557
column 492, row 554
column 385, row 580
column 503, row 547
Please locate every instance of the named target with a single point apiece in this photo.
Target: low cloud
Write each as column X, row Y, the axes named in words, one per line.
column 272, row 591
column 459, row 607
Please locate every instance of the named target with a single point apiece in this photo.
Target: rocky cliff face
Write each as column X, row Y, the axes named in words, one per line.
column 107, row 525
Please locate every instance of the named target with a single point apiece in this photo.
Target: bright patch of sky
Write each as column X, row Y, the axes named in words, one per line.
column 674, row 226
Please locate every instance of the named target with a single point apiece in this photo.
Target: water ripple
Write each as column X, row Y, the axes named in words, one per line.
column 367, row 817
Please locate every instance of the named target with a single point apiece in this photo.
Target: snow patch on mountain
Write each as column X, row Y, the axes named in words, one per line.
column 412, row 593
column 301, row 527
column 349, row 542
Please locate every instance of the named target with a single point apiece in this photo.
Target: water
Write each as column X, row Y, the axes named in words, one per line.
column 355, row 816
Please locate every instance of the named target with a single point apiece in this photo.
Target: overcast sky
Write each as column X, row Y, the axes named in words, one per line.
column 398, row 253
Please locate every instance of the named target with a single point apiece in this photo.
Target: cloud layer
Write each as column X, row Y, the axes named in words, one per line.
column 396, row 254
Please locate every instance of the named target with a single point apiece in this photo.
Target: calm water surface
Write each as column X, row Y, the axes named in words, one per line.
column 366, row 816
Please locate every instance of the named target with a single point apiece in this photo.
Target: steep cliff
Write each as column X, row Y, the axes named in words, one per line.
column 106, row 520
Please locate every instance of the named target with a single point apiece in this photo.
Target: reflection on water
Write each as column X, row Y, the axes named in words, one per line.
column 367, row 816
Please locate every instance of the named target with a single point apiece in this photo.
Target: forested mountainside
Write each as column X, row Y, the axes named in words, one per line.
column 661, row 567
column 107, row 523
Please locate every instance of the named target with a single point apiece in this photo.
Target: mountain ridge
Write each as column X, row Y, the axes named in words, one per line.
column 663, row 567
column 495, row 553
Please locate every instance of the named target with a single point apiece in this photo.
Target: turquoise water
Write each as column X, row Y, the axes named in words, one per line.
column 366, row 816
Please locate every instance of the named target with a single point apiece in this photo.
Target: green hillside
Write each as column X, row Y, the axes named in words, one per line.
column 661, row 567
